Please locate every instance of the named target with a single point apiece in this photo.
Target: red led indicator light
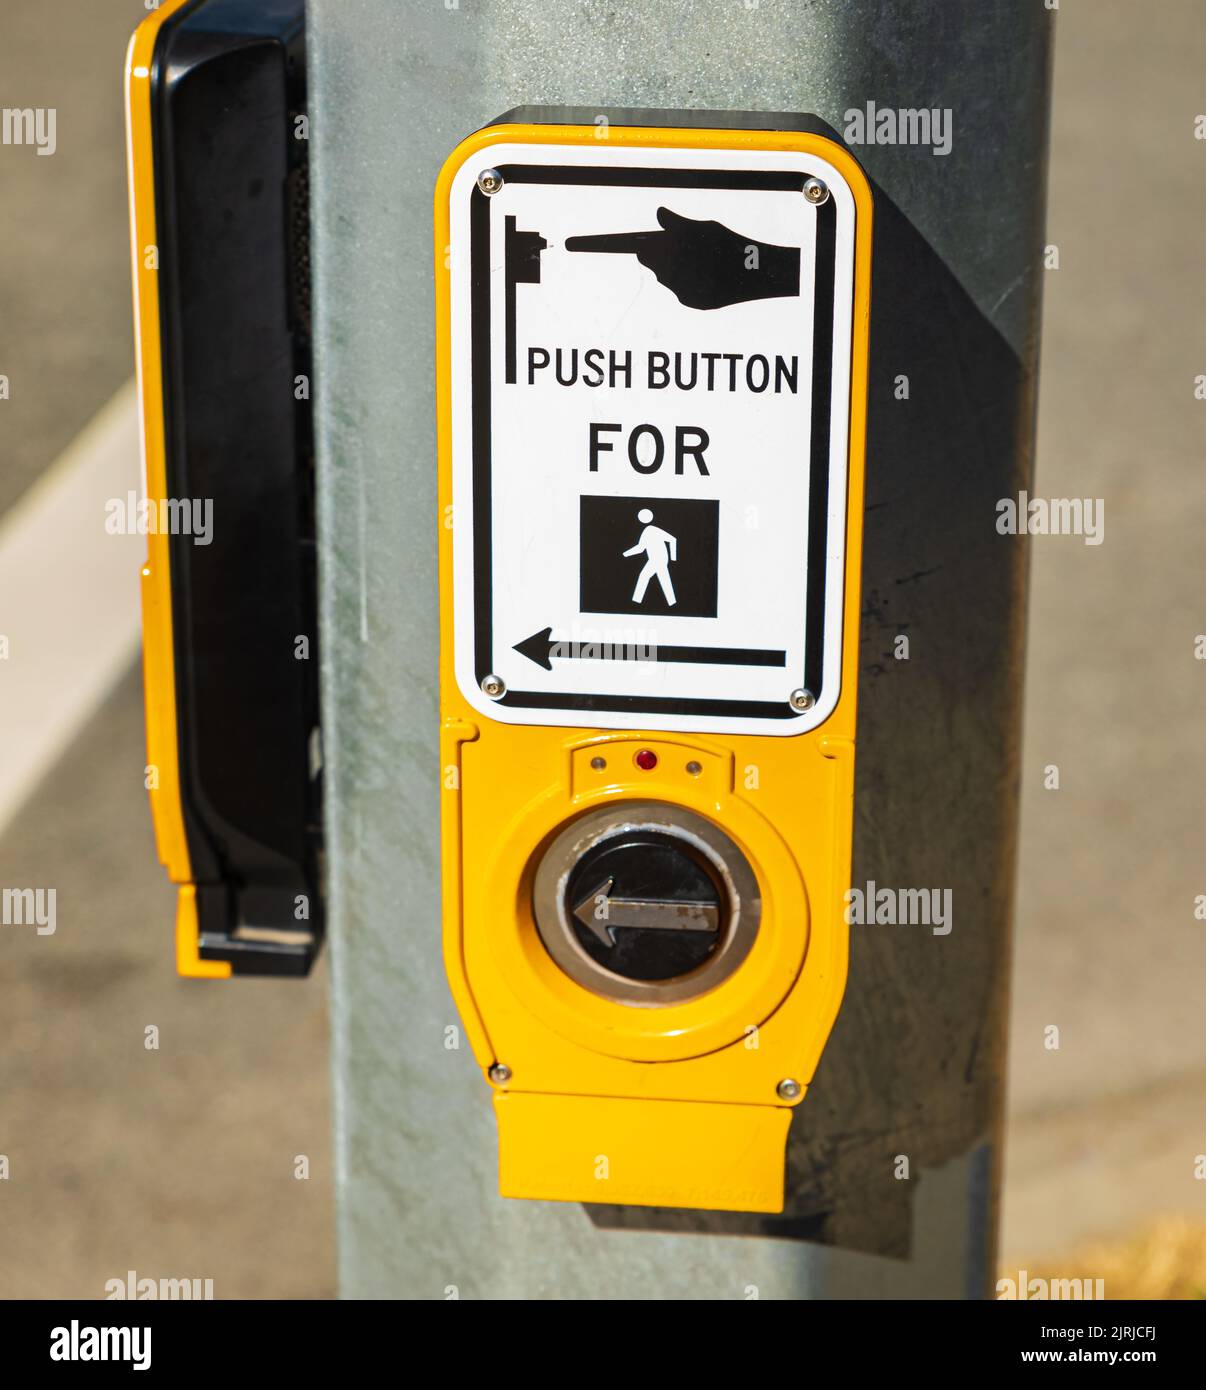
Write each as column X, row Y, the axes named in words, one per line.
column 646, row 760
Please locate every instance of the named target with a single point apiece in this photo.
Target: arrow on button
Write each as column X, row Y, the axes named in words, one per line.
column 599, row 912
column 541, row 648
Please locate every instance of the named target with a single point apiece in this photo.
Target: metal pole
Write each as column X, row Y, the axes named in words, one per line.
column 914, row 1069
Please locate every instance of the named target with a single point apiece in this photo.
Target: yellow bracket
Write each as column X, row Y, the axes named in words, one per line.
column 158, row 657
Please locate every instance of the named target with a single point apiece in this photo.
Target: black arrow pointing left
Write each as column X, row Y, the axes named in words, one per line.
column 542, row 649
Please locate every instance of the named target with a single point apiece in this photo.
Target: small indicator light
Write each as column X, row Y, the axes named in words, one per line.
column 646, row 760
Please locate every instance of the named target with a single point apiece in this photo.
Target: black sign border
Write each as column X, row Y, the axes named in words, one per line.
column 822, row 405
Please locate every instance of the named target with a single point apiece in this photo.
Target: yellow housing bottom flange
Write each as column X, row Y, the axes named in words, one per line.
column 641, row 1152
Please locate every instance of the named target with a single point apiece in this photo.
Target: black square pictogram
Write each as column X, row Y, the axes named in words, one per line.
column 651, row 555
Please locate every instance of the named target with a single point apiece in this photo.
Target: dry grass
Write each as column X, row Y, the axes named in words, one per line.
column 1164, row 1260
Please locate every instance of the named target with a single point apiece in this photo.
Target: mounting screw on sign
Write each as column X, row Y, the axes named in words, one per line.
column 489, row 181
column 801, row 699
column 815, row 191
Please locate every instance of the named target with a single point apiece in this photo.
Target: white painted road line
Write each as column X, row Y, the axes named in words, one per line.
column 69, row 605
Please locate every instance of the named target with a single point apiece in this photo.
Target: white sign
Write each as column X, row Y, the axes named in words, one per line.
column 650, row 409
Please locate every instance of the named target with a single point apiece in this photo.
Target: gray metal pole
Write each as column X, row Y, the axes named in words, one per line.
column 914, row 1068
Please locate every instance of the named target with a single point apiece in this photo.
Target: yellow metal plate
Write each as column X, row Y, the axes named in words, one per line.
column 641, row 1153
column 682, row 1101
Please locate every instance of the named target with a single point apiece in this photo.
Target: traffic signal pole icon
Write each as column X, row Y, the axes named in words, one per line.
column 522, row 251
column 651, row 456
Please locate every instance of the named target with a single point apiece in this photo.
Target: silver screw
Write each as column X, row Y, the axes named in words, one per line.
column 490, row 181
column 694, row 768
column 798, row 699
column 814, row 190
column 499, row 1073
column 598, row 764
column 789, row 1089
column 494, row 686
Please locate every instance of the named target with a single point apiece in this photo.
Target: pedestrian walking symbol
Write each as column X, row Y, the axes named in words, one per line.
column 650, row 555
column 660, row 550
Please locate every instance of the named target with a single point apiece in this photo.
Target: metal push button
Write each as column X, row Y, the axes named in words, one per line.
column 652, row 907
column 646, row 903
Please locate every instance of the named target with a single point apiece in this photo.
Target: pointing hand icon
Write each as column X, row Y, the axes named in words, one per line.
column 704, row 264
